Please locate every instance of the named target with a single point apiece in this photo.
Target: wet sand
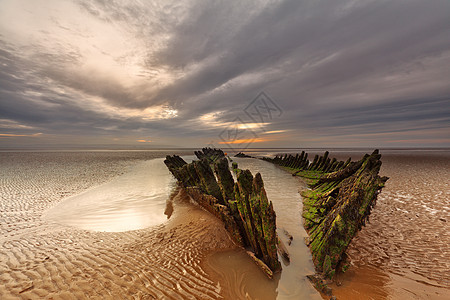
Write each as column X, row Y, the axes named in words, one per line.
column 406, row 245
column 42, row 259
column 403, row 253
column 134, row 200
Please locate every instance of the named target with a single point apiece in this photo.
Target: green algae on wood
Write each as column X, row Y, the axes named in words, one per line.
column 338, row 203
column 242, row 206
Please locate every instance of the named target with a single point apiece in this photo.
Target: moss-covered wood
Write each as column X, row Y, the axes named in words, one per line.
column 210, row 154
column 242, row 205
column 338, row 203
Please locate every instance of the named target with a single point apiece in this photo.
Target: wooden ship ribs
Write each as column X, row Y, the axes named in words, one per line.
column 337, row 203
column 242, row 206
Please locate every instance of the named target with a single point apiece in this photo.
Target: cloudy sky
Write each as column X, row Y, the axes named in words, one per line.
column 336, row 73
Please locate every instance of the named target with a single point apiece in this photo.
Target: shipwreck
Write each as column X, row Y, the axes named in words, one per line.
column 336, row 205
column 242, row 205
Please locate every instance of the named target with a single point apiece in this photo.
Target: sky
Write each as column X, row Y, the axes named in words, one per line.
column 237, row 74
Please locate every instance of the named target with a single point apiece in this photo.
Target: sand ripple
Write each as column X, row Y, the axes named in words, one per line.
column 409, row 231
column 43, row 260
column 410, row 227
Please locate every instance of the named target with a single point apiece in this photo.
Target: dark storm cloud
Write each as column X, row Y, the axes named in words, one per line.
column 334, row 67
column 354, row 49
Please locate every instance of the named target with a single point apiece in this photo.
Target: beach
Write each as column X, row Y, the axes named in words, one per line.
column 185, row 253
column 405, row 247
column 44, row 259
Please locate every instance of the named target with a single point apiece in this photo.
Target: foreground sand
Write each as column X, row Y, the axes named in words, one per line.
column 403, row 253
column 190, row 256
column 163, row 261
column 39, row 259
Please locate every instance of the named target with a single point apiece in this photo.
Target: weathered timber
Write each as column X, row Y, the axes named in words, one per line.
column 337, row 204
column 211, row 154
column 225, row 179
column 207, row 179
column 242, row 206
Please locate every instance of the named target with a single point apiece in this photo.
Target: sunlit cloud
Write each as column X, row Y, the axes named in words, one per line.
column 252, row 125
column 159, row 112
column 7, row 135
column 247, row 141
column 275, row 131
column 6, row 123
column 144, row 141
column 212, row 120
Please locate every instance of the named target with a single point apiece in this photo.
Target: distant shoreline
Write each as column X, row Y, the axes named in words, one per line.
column 338, row 149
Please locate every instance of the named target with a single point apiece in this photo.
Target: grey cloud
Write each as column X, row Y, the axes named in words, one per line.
column 367, row 46
column 332, row 66
column 44, row 108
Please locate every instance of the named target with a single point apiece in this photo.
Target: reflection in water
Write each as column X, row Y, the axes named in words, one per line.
column 131, row 201
column 169, row 208
column 282, row 190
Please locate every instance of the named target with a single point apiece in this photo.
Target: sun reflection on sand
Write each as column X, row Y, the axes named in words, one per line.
column 132, row 201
